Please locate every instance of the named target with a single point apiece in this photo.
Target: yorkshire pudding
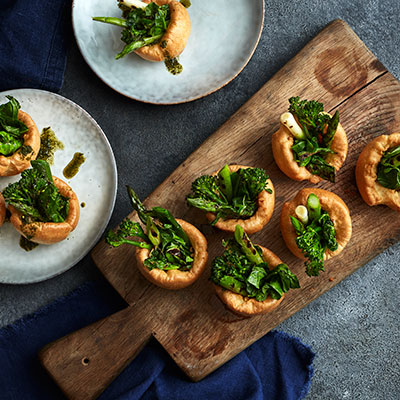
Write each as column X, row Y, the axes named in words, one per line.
column 20, row 160
column 282, row 142
column 266, row 203
column 370, row 189
column 248, row 306
column 49, row 232
column 175, row 37
column 331, row 203
column 175, row 279
column 2, row 209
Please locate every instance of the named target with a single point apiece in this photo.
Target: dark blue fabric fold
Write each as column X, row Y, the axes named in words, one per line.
column 277, row 366
column 32, row 43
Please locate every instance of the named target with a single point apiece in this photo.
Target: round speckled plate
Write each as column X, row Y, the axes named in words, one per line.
column 95, row 185
column 223, row 38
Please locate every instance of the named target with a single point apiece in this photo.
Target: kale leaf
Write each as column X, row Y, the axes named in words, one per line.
column 388, row 173
column 36, row 196
column 229, row 195
column 12, row 129
column 319, row 129
column 169, row 245
column 234, row 271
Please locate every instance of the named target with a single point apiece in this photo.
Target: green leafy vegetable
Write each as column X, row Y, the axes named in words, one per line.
column 314, row 238
column 36, row 196
column 388, row 174
column 169, row 245
column 240, row 272
column 229, row 195
column 141, row 26
column 319, row 129
column 12, row 130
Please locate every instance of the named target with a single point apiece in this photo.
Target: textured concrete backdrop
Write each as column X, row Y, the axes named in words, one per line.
column 354, row 328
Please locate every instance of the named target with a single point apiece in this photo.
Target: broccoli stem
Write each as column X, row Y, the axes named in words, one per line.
column 314, row 207
column 142, row 245
column 112, row 20
column 137, row 45
column 248, row 248
column 225, row 176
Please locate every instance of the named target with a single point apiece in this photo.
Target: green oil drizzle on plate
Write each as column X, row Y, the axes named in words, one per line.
column 73, row 166
column 49, row 144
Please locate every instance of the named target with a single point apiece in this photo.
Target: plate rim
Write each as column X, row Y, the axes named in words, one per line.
column 111, row 205
column 230, row 79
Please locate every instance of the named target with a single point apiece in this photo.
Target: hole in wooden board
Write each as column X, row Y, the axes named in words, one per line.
column 85, row 361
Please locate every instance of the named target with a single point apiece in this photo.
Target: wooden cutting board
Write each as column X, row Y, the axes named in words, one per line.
column 192, row 325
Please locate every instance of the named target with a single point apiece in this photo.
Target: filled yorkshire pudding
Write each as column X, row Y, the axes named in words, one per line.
column 172, row 253
column 315, row 226
column 235, row 195
column 20, row 144
column 378, row 171
column 312, row 152
column 2, row 209
column 176, row 279
column 256, row 283
column 49, row 232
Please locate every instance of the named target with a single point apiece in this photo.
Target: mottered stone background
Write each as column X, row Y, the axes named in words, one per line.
column 353, row 328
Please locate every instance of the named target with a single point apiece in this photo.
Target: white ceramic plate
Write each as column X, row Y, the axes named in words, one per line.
column 95, row 184
column 223, row 38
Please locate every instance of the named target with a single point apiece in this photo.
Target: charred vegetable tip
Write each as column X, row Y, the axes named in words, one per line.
column 288, row 120
column 247, row 246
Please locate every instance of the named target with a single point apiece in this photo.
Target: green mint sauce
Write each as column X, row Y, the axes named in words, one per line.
column 73, row 166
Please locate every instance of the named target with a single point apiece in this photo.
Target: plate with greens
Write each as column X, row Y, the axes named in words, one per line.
column 224, row 35
column 94, row 184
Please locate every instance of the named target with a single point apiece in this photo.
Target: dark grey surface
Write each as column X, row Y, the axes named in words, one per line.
column 354, row 328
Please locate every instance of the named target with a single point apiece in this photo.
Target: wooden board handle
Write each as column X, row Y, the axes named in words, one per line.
column 85, row 362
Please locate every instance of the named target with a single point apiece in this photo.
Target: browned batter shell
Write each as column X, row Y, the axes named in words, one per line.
column 2, row 209
column 330, row 202
column 49, row 232
column 175, row 279
column 174, row 38
column 266, row 203
column 282, row 142
column 17, row 162
column 249, row 306
column 370, row 189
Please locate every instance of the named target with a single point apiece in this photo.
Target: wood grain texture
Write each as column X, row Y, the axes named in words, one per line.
column 192, row 324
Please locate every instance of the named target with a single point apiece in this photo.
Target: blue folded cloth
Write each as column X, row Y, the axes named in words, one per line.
column 32, row 44
column 277, row 366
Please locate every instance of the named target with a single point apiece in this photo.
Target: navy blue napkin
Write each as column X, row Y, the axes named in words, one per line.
column 32, row 43
column 277, row 366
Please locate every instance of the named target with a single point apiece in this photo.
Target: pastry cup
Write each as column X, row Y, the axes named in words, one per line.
column 330, row 202
column 175, row 279
column 370, row 189
column 282, row 142
column 249, row 306
column 49, row 232
column 175, row 36
column 17, row 162
column 2, row 209
column 265, row 208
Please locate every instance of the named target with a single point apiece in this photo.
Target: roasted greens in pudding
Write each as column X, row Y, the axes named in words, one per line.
column 388, row 173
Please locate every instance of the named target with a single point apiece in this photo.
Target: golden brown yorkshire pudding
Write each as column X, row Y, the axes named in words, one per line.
column 370, row 189
column 331, row 203
column 49, row 232
column 282, row 142
column 266, row 203
column 2, row 209
column 21, row 160
column 175, row 279
column 175, row 37
column 248, row 306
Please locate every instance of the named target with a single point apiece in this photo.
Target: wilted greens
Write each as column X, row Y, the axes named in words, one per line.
column 12, row 130
column 388, row 174
column 229, row 194
column 169, row 246
column 141, row 26
column 36, row 196
column 242, row 270
column 319, row 129
column 314, row 237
